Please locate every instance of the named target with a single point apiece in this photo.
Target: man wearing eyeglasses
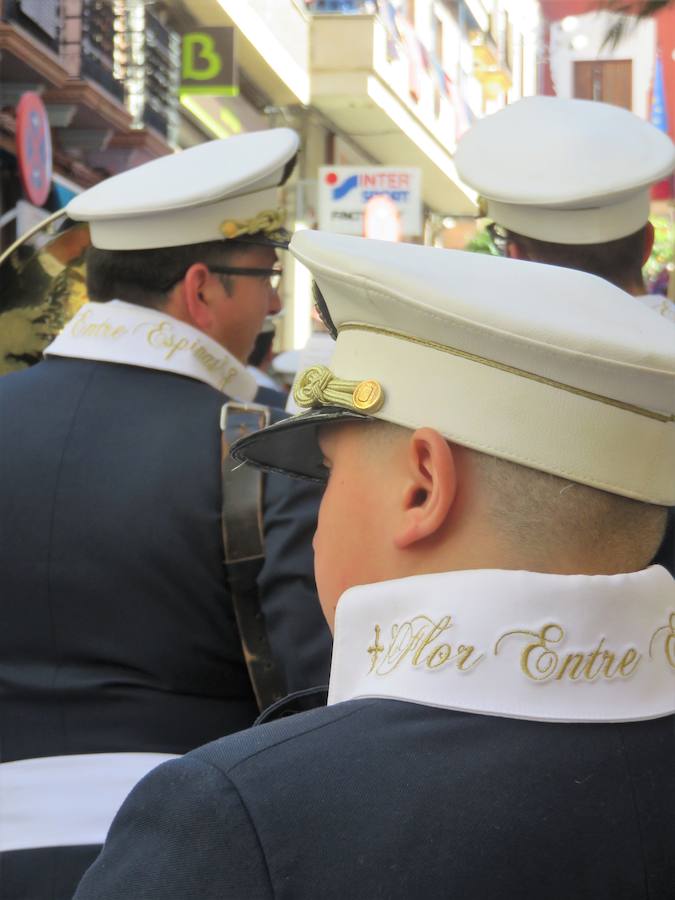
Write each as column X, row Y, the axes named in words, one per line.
column 226, row 289
column 125, row 640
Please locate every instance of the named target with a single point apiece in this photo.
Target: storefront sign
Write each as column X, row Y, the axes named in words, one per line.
column 208, row 63
column 33, row 148
column 344, row 192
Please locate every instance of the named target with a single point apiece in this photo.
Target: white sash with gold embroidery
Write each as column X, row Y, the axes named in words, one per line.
column 553, row 648
column 120, row 332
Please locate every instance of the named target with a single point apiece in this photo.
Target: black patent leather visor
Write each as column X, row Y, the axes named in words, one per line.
column 292, row 446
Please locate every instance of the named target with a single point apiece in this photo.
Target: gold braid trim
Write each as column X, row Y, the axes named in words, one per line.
column 317, row 386
column 493, row 364
column 269, row 221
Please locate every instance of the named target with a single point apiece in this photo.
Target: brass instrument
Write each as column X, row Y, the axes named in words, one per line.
column 40, row 290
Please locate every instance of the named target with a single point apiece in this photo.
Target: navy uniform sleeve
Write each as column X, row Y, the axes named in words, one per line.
column 182, row 832
column 297, row 630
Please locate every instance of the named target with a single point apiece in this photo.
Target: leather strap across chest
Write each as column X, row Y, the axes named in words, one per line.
column 244, row 543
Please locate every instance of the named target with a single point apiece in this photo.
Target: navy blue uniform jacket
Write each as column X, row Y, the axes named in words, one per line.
column 117, row 632
column 393, row 800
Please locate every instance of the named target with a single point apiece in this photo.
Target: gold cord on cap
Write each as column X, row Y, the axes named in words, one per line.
column 531, row 376
column 269, row 221
column 318, row 386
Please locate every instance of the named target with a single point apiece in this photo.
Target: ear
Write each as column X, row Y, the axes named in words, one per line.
column 196, row 295
column 513, row 251
column 649, row 242
column 430, row 489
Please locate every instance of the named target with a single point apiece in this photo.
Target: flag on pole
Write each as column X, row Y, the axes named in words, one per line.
column 663, row 190
column 440, row 76
column 389, row 18
column 413, row 51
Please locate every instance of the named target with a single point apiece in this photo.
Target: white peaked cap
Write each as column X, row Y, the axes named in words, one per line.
column 185, row 198
column 548, row 367
column 565, row 171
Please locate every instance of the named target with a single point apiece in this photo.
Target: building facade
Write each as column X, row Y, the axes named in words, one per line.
column 77, row 56
column 365, row 82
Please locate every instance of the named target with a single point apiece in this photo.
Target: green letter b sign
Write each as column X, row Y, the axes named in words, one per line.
column 208, row 62
column 201, row 62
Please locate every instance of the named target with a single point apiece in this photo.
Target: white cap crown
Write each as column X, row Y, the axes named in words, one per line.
column 548, row 367
column 565, row 171
column 214, row 191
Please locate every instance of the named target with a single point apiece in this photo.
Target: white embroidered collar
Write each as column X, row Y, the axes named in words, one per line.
column 659, row 304
column 132, row 335
column 554, row 648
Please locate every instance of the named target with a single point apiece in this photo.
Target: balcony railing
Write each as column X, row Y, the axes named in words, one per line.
column 341, row 6
column 94, row 68
column 162, row 76
column 97, row 47
column 40, row 18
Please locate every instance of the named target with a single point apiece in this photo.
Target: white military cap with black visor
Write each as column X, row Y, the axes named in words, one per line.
column 551, row 368
column 565, row 171
column 220, row 190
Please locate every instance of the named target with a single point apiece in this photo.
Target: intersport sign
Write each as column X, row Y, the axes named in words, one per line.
column 344, row 192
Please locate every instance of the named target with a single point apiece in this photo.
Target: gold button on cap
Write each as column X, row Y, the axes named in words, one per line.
column 368, row 396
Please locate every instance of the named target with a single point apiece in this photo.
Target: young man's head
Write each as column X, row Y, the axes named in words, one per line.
column 195, row 235
column 466, row 424
column 400, row 502
column 618, row 261
column 567, row 182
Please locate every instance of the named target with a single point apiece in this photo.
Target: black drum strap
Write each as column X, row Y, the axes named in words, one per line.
column 244, row 543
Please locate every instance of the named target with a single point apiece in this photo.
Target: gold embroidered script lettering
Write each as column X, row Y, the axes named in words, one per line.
column 82, row 326
column 541, row 661
column 227, row 378
column 208, row 360
column 669, row 642
column 162, row 337
column 418, row 640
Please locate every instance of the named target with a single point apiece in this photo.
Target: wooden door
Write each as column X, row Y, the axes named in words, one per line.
column 609, row 80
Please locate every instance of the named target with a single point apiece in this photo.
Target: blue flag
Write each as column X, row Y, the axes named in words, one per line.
column 659, row 119
column 659, row 112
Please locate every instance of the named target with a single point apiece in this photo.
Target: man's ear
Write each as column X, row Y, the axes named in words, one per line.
column 649, row 242
column 196, row 296
column 430, row 489
column 513, row 251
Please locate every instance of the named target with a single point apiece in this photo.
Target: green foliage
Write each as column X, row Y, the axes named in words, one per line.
column 663, row 252
column 481, row 242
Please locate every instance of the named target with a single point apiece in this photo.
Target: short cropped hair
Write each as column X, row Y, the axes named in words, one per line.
column 619, row 262
column 557, row 519
column 550, row 521
column 144, row 277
